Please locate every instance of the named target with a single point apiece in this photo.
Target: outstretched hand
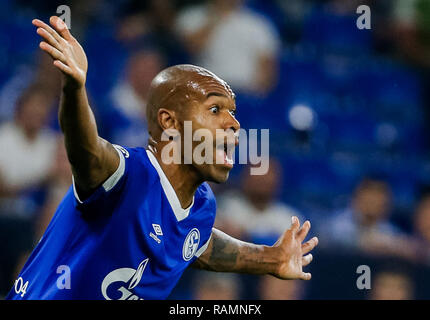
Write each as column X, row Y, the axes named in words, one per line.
column 293, row 253
column 68, row 55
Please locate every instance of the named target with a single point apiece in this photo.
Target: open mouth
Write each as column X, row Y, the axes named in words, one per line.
column 228, row 153
column 224, row 154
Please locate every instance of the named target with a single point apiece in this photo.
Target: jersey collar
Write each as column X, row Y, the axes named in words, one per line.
column 170, row 193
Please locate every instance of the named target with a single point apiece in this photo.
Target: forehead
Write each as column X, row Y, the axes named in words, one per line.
column 181, row 85
column 210, row 87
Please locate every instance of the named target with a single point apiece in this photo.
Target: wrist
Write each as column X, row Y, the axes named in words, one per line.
column 72, row 84
column 271, row 259
column 72, row 87
column 259, row 259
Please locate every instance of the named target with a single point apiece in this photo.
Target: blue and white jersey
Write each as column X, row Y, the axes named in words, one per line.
column 131, row 239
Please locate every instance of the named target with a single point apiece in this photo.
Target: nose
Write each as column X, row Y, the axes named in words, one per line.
column 231, row 127
column 231, row 123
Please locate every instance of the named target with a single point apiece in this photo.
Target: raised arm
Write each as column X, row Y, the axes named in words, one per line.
column 92, row 158
column 284, row 260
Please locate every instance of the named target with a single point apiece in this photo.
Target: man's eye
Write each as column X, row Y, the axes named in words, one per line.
column 214, row 109
column 233, row 113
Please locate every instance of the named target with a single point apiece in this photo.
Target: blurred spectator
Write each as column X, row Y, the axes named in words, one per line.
column 294, row 13
column 365, row 224
column 60, row 180
column 271, row 288
column 216, row 286
column 30, row 147
column 241, row 46
column 392, row 284
column 252, row 213
column 331, row 27
column 152, row 22
column 135, row 23
column 44, row 75
column 127, row 123
column 421, row 223
column 410, row 21
column 222, row 35
column 30, row 231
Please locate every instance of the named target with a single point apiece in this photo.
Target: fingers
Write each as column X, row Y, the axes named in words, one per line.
column 58, row 31
column 60, row 27
column 57, row 56
column 49, row 38
column 308, row 246
column 295, row 224
column 54, row 40
column 52, row 51
column 52, row 32
column 64, row 68
column 307, row 259
column 305, row 276
column 303, row 232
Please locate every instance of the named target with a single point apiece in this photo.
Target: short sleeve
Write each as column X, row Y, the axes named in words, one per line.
column 103, row 199
column 207, row 218
column 203, row 248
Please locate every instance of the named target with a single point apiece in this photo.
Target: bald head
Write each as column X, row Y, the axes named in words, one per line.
column 176, row 87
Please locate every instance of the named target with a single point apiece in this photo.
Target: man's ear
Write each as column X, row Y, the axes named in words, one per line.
column 167, row 119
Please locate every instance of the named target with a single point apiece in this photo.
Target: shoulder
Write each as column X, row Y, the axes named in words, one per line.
column 259, row 26
column 281, row 208
column 342, row 221
column 7, row 130
column 204, row 191
column 254, row 19
column 390, row 228
column 131, row 177
column 233, row 200
column 205, row 196
column 134, row 163
column 138, row 155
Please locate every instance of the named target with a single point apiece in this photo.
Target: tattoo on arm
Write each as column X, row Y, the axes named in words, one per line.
column 227, row 254
column 224, row 252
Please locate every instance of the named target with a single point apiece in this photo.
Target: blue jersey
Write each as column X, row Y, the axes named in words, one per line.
column 131, row 239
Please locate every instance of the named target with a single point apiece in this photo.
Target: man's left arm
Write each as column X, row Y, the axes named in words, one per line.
column 284, row 260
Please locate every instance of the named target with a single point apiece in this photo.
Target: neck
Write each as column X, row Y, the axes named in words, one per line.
column 260, row 204
column 363, row 219
column 183, row 178
column 31, row 135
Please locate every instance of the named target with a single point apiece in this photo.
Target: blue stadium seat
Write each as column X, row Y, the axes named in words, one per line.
column 394, row 91
column 105, row 67
column 338, row 32
column 353, row 132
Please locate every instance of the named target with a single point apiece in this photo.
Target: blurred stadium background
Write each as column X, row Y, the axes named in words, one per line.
column 347, row 109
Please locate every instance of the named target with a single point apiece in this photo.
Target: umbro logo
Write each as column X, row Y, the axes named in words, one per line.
column 157, row 229
column 158, row 232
